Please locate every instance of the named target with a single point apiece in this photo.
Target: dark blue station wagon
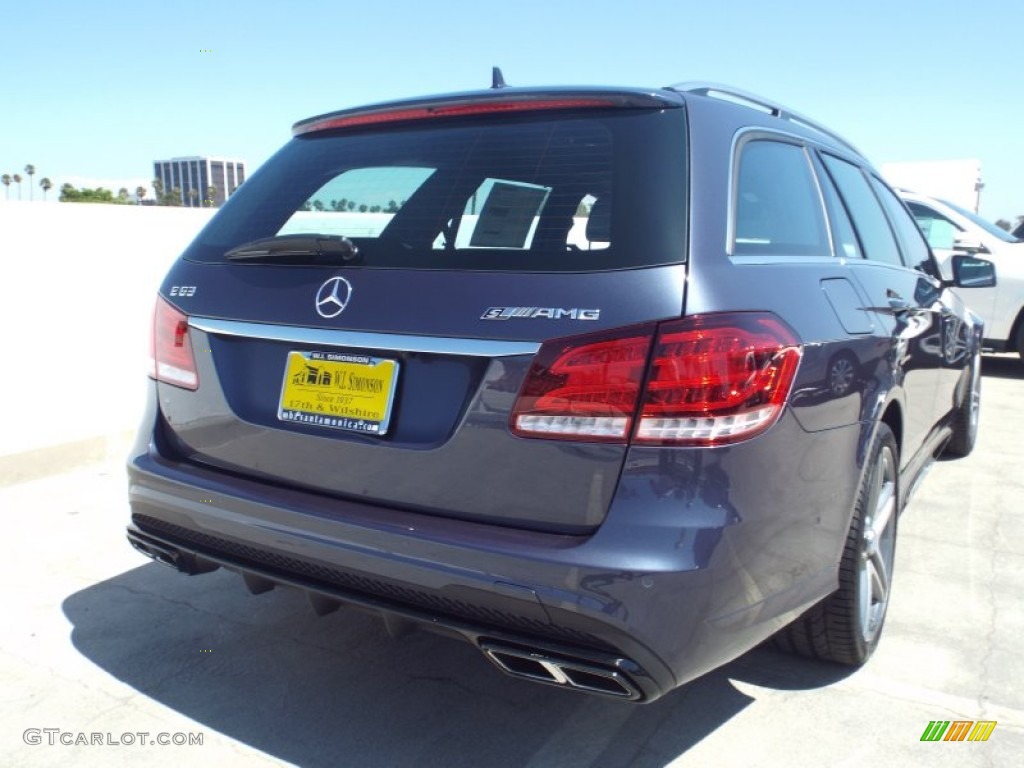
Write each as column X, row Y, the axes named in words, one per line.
column 614, row 384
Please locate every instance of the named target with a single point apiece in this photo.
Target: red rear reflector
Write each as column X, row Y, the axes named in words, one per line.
column 171, row 358
column 710, row 380
column 452, row 110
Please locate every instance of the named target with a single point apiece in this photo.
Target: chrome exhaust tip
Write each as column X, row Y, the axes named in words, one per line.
column 567, row 673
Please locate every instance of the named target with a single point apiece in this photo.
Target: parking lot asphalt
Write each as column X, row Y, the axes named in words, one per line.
column 99, row 645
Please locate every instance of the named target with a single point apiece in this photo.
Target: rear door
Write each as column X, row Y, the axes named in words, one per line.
column 907, row 300
column 386, row 369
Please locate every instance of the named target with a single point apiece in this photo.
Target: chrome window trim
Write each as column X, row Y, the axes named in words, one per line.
column 438, row 345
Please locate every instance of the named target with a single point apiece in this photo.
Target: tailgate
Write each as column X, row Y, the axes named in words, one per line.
column 446, row 447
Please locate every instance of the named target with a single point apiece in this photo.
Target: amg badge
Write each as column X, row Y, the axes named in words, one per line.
column 548, row 313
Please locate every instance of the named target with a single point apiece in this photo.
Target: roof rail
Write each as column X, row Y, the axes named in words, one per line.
column 759, row 102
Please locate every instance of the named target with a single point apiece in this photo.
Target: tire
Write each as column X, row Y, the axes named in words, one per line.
column 845, row 627
column 1020, row 340
column 966, row 415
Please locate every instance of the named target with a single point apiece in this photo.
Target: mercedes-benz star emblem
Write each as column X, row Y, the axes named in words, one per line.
column 333, row 297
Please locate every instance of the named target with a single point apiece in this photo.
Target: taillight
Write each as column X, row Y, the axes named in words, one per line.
column 708, row 380
column 717, row 379
column 171, row 358
column 584, row 388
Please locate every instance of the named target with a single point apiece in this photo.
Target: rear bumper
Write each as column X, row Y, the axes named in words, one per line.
column 693, row 565
column 518, row 654
column 383, row 561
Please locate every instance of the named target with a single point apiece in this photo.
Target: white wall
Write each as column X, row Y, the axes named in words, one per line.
column 77, row 283
column 958, row 181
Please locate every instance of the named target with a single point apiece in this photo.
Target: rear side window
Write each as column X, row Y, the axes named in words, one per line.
column 778, row 210
column 569, row 192
column 876, row 237
column 843, row 235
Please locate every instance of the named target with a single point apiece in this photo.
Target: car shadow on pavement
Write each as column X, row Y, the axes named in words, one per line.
column 1003, row 366
column 337, row 690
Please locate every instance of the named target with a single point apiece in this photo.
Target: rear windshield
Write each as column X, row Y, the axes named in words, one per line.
column 573, row 192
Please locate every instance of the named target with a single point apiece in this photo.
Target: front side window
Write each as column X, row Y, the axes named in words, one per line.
column 778, row 210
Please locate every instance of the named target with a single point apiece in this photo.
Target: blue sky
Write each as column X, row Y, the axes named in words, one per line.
column 100, row 89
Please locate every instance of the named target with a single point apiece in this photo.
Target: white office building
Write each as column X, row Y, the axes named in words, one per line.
column 214, row 179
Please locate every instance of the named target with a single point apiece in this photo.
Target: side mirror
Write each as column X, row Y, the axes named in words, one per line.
column 971, row 272
column 969, row 245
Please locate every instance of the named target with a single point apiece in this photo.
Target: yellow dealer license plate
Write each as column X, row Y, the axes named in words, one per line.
column 338, row 391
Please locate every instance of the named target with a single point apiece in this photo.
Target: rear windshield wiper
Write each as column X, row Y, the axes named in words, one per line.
column 333, row 249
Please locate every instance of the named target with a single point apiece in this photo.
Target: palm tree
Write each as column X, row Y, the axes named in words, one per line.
column 6, row 180
column 176, row 196
column 193, row 196
column 30, row 170
column 47, row 185
column 158, row 192
column 140, row 192
column 17, row 180
column 211, row 195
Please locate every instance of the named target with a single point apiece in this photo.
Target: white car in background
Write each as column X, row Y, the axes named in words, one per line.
column 951, row 229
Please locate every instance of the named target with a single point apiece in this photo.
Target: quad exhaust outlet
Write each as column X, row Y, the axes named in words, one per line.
column 580, row 675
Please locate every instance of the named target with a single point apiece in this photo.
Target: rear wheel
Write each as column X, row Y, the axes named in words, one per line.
column 845, row 626
column 1020, row 340
column 966, row 416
